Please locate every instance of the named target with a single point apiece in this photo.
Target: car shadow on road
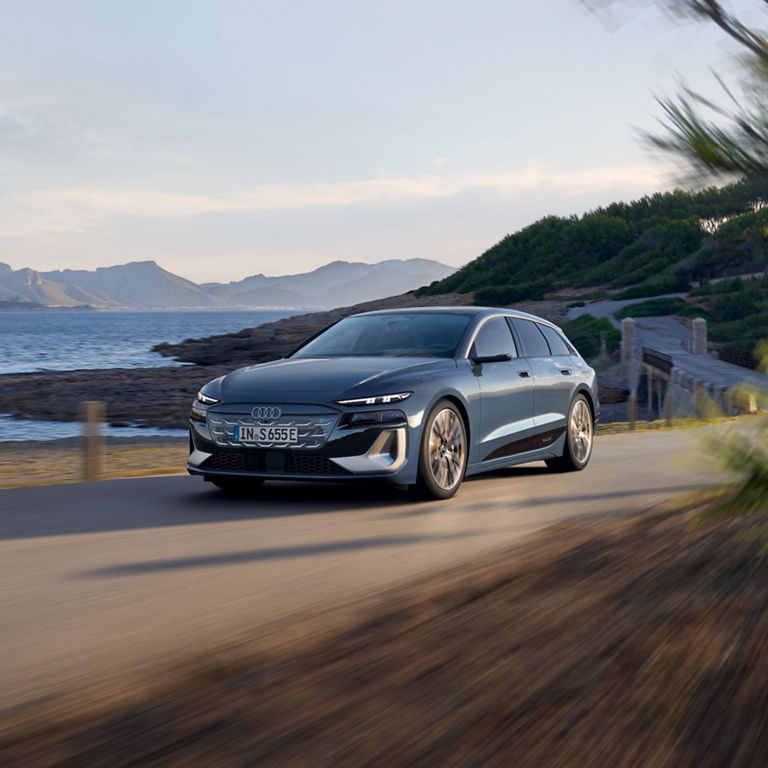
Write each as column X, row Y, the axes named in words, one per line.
column 174, row 501
column 265, row 554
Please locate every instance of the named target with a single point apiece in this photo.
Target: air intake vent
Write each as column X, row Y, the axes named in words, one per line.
column 272, row 463
column 313, row 465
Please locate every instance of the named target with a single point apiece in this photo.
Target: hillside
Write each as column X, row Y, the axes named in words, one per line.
column 333, row 285
column 137, row 284
column 655, row 245
column 144, row 284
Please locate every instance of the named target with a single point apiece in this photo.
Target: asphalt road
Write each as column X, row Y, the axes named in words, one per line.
column 106, row 578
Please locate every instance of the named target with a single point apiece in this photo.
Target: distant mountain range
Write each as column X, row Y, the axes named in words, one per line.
column 144, row 284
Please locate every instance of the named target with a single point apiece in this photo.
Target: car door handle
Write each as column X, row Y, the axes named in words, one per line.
column 565, row 371
column 524, row 374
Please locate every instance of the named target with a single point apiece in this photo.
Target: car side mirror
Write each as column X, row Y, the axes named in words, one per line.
column 479, row 360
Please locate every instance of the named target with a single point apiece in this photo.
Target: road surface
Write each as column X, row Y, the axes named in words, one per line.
column 105, row 578
column 609, row 308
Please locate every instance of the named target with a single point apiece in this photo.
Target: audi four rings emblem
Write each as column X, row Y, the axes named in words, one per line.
column 268, row 412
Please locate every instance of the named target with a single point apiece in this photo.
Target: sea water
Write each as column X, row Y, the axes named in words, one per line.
column 64, row 340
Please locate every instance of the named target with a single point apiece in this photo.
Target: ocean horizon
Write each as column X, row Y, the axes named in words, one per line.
column 63, row 339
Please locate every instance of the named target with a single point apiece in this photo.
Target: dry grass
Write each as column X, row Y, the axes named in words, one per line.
column 606, row 642
column 618, row 427
column 23, row 464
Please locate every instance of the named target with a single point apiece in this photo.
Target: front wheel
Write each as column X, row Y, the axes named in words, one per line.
column 443, row 453
column 578, row 443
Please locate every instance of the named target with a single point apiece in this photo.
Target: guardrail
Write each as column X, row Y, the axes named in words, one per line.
column 657, row 360
column 737, row 357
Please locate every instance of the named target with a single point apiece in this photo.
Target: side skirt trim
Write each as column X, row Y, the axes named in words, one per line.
column 532, row 443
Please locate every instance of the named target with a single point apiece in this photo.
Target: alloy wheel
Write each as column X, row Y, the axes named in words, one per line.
column 580, row 431
column 447, row 446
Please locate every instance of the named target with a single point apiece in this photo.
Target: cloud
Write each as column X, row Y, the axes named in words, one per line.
column 79, row 208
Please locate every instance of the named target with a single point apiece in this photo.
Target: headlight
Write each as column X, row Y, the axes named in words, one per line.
column 198, row 413
column 373, row 418
column 397, row 397
column 205, row 400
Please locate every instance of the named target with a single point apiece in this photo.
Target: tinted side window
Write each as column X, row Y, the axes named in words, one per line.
column 494, row 338
column 534, row 343
column 556, row 343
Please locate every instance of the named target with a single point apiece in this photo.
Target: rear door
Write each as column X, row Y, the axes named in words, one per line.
column 552, row 366
column 506, row 399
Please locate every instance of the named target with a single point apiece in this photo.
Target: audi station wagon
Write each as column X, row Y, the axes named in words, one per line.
column 420, row 397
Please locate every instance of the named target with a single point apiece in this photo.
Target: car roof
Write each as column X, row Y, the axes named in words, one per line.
column 480, row 311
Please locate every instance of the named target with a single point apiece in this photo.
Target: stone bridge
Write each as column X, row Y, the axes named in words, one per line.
column 679, row 375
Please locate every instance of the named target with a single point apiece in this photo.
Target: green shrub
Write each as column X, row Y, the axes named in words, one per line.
column 692, row 310
column 584, row 332
column 653, row 308
column 729, row 285
column 508, row 294
column 668, row 283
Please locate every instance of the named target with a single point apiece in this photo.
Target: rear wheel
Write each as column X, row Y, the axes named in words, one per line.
column 443, row 453
column 578, row 442
column 238, row 486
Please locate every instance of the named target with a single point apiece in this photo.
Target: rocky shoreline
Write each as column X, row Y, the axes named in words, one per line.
column 161, row 397
column 272, row 340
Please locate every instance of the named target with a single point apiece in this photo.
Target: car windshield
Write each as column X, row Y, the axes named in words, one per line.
column 418, row 334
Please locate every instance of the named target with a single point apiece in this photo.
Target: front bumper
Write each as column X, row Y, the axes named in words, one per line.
column 325, row 451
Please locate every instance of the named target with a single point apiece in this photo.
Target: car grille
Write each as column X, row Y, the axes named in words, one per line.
column 313, row 430
column 271, row 462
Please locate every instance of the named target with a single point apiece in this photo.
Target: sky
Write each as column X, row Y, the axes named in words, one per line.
column 224, row 139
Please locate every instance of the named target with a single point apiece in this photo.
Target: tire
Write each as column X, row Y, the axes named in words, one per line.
column 579, row 439
column 238, row 486
column 442, row 453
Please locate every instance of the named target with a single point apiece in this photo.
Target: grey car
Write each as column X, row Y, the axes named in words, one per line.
column 420, row 397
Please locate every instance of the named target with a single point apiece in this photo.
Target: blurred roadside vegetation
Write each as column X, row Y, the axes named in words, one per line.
column 744, row 454
column 635, row 640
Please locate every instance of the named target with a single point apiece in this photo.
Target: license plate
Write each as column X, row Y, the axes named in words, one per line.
column 271, row 435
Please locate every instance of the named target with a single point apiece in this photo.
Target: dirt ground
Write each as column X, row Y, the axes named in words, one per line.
column 60, row 461
column 600, row 642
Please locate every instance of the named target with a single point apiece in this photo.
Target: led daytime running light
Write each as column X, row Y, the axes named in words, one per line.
column 397, row 397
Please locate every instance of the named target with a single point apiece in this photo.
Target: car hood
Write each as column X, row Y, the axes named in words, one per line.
column 325, row 378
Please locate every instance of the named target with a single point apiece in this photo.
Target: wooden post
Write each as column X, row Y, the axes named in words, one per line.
column 669, row 408
column 92, row 416
column 632, row 411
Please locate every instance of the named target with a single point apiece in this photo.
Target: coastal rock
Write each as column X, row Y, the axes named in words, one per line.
column 152, row 397
column 277, row 339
